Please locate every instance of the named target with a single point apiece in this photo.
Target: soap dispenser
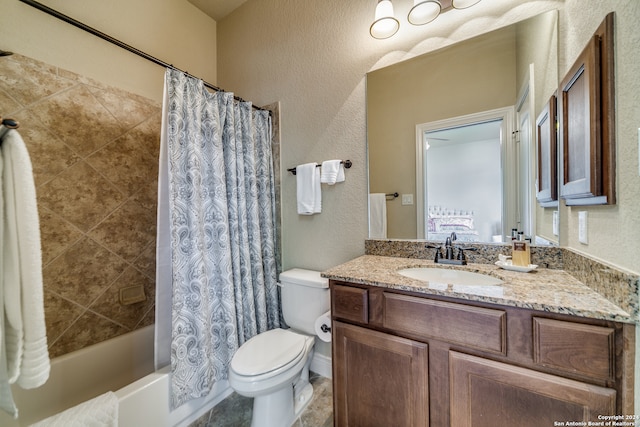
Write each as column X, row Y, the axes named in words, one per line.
column 520, row 251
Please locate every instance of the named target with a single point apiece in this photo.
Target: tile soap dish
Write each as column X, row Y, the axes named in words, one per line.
column 507, row 265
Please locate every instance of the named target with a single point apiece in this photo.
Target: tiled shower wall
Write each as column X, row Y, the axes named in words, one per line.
column 94, row 151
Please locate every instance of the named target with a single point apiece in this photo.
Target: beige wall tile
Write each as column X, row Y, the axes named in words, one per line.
column 127, row 231
column 83, row 272
column 81, row 196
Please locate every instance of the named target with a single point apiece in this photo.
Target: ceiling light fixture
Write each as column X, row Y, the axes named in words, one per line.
column 463, row 4
column 385, row 24
column 424, row 11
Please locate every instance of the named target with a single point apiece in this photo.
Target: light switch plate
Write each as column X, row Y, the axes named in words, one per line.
column 407, row 199
column 582, row 227
column 555, row 223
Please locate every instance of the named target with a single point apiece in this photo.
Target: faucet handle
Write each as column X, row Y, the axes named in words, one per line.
column 438, row 254
column 437, row 248
column 461, row 255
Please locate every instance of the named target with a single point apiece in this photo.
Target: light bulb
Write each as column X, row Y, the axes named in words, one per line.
column 385, row 24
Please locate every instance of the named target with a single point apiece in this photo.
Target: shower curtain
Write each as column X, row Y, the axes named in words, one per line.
column 216, row 263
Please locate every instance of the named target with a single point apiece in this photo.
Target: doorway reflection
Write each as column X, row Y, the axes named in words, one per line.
column 464, row 182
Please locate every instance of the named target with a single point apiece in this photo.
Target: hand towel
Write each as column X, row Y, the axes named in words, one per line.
column 6, row 395
column 377, row 216
column 25, row 332
column 332, row 171
column 101, row 411
column 308, row 189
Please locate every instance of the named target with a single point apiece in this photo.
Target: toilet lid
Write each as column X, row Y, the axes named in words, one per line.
column 268, row 351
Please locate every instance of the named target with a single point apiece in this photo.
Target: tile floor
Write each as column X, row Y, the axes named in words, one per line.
column 235, row 410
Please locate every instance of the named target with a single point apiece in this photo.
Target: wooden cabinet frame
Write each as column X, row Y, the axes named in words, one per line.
column 587, row 123
column 547, row 150
column 409, row 359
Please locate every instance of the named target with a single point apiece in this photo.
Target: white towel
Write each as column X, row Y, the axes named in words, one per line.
column 101, row 411
column 6, row 396
column 332, row 171
column 308, row 189
column 377, row 216
column 24, row 328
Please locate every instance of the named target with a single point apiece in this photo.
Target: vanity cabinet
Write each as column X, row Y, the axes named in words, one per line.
column 406, row 359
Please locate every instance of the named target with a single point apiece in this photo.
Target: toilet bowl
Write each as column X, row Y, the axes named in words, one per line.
column 268, row 360
column 273, row 367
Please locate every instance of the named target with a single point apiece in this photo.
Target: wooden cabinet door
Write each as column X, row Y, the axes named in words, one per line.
column 378, row 379
column 580, row 125
column 587, row 123
column 485, row 393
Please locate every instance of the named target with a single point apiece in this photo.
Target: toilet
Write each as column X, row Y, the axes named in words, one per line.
column 273, row 367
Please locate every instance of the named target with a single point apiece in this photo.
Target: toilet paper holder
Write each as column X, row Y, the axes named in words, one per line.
column 323, row 326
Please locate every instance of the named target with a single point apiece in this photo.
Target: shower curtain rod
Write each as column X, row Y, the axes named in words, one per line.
column 106, row 37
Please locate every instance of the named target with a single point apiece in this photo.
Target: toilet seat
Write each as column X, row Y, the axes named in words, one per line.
column 270, row 352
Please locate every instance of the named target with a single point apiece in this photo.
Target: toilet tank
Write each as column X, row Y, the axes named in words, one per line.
column 305, row 296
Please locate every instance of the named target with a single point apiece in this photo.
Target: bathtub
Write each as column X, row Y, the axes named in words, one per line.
column 123, row 365
column 146, row 403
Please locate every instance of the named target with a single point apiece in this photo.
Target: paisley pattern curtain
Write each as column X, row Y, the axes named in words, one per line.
column 217, row 191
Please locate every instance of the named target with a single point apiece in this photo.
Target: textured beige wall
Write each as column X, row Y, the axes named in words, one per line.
column 173, row 31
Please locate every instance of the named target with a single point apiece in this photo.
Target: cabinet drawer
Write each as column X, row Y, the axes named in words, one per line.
column 574, row 347
column 349, row 303
column 476, row 327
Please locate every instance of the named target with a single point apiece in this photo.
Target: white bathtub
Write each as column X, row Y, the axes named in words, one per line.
column 123, row 365
column 146, row 403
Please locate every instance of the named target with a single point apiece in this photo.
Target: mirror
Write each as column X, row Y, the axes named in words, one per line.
column 513, row 68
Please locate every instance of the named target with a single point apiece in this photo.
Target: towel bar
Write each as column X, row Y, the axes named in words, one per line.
column 347, row 164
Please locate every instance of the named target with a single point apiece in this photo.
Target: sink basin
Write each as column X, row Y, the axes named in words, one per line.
column 449, row 276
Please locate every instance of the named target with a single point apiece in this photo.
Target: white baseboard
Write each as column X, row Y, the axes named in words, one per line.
column 321, row 365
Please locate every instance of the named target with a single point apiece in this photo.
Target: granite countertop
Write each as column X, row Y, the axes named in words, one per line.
column 541, row 289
